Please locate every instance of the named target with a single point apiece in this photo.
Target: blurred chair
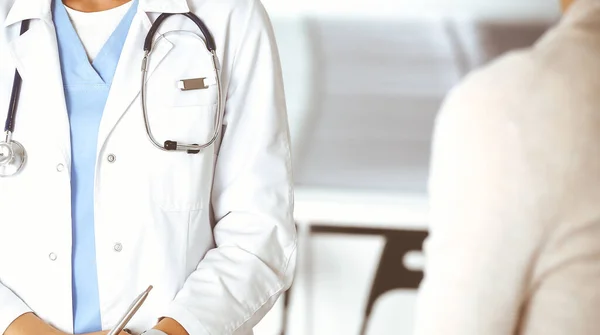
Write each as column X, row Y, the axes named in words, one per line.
column 392, row 272
column 286, row 305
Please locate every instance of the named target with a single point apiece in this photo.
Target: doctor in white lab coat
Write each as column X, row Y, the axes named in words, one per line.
column 152, row 208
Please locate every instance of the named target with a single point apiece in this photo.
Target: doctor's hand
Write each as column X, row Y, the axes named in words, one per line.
column 171, row 327
column 105, row 332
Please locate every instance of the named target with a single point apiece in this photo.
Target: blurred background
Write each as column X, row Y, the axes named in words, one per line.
column 364, row 82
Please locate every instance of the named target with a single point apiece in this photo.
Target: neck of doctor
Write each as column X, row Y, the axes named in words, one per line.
column 93, row 5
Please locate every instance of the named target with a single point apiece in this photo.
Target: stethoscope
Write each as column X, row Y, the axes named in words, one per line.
column 12, row 153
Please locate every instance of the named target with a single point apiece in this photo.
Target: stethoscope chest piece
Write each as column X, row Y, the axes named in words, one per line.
column 12, row 158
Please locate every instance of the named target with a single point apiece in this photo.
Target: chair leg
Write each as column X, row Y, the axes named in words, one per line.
column 286, row 304
column 391, row 273
column 363, row 327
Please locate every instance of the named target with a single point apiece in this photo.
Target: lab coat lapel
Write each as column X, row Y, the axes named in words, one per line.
column 127, row 80
column 37, row 60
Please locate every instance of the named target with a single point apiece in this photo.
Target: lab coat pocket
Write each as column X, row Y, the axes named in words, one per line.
column 181, row 181
column 189, row 124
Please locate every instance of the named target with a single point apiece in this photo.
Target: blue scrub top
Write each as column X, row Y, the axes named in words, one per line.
column 86, row 88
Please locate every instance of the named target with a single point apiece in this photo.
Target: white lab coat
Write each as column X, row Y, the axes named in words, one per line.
column 152, row 208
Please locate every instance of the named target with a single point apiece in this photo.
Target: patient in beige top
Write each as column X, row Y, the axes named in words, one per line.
column 515, row 193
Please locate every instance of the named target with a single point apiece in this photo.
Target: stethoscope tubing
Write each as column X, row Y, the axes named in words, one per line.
column 9, row 126
column 16, row 156
column 149, row 42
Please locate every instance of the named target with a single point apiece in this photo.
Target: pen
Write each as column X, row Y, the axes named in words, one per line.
column 135, row 306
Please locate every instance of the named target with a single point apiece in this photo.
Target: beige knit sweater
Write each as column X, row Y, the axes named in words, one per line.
column 515, row 193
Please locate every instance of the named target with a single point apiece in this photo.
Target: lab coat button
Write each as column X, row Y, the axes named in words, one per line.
column 52, row 256
column 118, row 247
column 111, row 158
column 60, row 168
